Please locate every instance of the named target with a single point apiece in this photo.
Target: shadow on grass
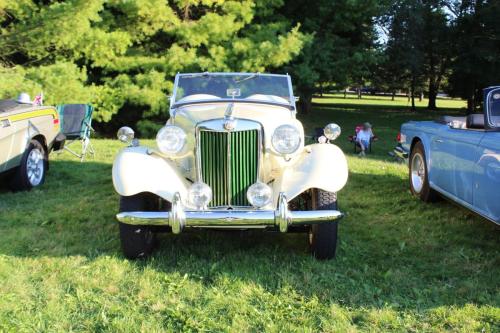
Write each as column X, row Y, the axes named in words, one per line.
column 71, row 214
column 394, row 250
column 386, row 124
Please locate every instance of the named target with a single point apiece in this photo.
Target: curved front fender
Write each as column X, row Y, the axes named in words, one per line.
column 322, row 166
column 135, row 171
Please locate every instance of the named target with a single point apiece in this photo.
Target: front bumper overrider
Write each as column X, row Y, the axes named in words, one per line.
column 178, row 218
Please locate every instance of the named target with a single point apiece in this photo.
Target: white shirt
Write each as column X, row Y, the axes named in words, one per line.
column 364, row 135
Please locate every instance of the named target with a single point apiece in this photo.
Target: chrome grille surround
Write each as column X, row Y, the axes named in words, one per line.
column 217, row 126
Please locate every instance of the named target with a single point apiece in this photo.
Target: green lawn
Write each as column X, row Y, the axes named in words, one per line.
column 402, row 265
column 386, row 102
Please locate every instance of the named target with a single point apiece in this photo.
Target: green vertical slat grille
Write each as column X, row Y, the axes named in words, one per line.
column 229, row 178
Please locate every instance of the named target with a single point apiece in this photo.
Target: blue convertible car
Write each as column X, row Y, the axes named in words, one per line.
column 457, row 157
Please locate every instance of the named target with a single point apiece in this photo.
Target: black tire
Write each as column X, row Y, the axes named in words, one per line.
column 323, row 237
column 137, row 241
column 419, row 179
column 24, row 178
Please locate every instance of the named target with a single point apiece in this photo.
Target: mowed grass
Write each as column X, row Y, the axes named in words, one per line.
column 385, row 102
column 402, row 265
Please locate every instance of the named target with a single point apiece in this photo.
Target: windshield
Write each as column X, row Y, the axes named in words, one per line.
column 260, row 88
column 493, row 107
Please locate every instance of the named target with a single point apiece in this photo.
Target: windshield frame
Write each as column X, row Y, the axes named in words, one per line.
column 496, row 90
column 175, row 104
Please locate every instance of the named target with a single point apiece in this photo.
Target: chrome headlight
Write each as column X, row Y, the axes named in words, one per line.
column 170, row 139
column 332, row 131
column 259, row 195
column 286, row 139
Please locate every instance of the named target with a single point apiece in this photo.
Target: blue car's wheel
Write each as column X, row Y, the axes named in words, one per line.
column 419, row 176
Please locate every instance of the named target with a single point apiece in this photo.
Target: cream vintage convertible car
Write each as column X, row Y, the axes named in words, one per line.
column 231, row 156
column 27, row 134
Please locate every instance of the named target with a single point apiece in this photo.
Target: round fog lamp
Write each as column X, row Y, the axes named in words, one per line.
column 259, row 195
column 199, row 194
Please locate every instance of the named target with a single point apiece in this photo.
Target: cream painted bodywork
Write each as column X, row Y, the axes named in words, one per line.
column 320, row 166
column 24, row 125
column 137, row 169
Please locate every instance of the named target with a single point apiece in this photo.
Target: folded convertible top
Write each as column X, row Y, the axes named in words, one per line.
column 10, row 105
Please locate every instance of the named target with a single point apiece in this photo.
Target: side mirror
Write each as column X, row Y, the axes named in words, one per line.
column 456, row 124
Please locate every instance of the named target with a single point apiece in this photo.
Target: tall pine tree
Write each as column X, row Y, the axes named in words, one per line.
column 122, row 54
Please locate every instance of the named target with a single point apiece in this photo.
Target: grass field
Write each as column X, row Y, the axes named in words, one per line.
column 402, row 265
column 385, row 102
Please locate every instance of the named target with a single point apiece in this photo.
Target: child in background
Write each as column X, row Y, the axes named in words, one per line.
column 363, row 137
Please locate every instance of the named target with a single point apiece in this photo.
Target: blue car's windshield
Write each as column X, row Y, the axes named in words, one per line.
column 494, row 108
column 266, row 88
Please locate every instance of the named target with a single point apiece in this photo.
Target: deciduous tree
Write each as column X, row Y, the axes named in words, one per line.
column 341, row 48
column 476, row 48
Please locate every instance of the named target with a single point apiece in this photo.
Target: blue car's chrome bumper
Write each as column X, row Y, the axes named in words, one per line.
column 178, row 218
column 400, row 152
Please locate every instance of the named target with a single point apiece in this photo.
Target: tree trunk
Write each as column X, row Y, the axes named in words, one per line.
column 359, row 93
column 432, row 95
column 421, row 96
column 186, row 12
column 393, row 95
column 434, row 85
column 471, row 100
column 412, row 93
column 305, row 103
column 431, row 105
column 345, row 93
column 470, row 105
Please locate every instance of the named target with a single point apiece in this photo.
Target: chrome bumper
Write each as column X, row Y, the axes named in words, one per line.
column 400, row 152
column 178, row 218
